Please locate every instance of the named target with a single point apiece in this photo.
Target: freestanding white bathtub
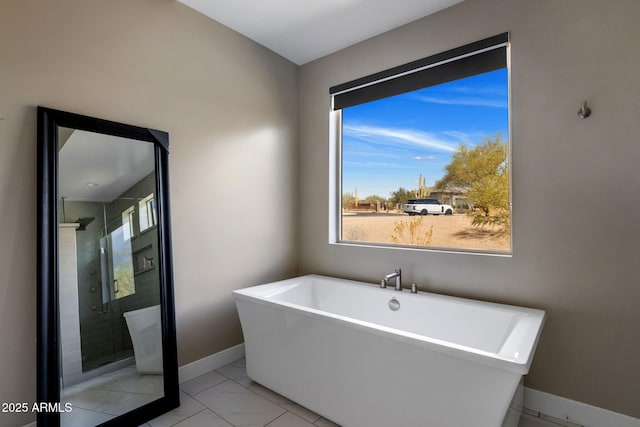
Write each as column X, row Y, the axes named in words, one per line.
column 336, row 347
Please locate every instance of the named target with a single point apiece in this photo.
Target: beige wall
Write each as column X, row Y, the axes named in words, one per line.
column 576, row 202
column 229, row 106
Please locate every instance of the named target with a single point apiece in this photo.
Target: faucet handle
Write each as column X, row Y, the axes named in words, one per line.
column 383, row 283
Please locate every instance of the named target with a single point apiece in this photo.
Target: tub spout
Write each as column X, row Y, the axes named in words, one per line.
column 395, row 275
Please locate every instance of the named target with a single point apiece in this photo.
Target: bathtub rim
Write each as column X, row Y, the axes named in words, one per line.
column 535, row 319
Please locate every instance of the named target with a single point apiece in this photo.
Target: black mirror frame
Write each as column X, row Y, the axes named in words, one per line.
column 48, row 346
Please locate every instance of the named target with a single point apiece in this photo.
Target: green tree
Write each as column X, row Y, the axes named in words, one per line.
column 485, row 169
column 400, row 196
column 373, row 199
column 348, row 199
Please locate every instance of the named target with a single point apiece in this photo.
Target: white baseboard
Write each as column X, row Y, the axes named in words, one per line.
column 209, row 363
column 575, row 412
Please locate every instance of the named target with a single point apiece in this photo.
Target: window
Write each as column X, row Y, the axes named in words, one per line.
column 122, row 261
column 147, row 208
column 422, row 153
column 127, row 222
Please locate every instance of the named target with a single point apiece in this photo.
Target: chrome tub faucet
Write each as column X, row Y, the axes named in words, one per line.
column 395, row 275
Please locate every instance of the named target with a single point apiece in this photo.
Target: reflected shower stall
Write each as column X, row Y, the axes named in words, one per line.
column 110, row 272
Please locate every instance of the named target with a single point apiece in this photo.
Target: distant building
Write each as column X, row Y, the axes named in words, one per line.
column 451, row 194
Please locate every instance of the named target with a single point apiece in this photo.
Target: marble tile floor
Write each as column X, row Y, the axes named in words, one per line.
column 107, row 396
column 227, row 397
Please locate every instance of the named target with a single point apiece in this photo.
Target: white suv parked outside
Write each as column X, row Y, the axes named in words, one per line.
column 426, row 206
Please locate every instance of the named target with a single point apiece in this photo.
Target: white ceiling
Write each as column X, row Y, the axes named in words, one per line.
column 114, row 163
column 304, row 30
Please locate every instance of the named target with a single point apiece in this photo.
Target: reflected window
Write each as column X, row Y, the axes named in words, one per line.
column 147, row 208
column 127, row 222
column 123, row 281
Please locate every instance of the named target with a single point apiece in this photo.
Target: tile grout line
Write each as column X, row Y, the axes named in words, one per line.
column 191, row 416
column 251, row 391
column 247, row 388
column 278, row 417
column 285, row 413
column 257, row 394
column 548, row 419
column 282, row 405
column 207, row 407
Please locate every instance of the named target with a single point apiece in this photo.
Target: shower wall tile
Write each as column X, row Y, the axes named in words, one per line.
column 70, row 325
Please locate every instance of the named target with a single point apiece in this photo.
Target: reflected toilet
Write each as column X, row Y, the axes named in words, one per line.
column 145, row 330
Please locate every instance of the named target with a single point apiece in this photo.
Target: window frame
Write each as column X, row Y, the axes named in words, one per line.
column 128, row 217
column 336, row 143
column 147, row 206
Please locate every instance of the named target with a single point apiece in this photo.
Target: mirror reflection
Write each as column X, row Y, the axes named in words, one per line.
column 109, row 283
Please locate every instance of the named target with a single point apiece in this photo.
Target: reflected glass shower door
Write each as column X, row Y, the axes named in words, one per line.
column 121, row 267
column 107, row 339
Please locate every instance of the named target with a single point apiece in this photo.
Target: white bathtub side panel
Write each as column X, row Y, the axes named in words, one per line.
column 358, row 379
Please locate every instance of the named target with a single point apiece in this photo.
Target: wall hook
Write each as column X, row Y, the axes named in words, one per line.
column 584, row 111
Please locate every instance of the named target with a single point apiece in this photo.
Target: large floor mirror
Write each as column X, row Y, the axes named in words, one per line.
column 106, row 321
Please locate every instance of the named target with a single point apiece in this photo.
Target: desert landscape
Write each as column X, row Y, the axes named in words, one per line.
column 441, row 231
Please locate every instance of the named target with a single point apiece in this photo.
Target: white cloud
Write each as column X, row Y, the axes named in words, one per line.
column 371, row 154
column 376, row 165
column 405, row 136
column 462, row 137
column 468, row 101
column 424, row 158
column 501, row 91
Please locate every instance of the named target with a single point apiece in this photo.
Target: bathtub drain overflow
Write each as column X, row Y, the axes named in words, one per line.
column 394, row 304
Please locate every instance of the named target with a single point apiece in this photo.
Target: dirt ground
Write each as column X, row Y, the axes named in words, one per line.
column 450, row 231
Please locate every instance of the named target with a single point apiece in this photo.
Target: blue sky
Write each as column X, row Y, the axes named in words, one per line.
column 388, row 143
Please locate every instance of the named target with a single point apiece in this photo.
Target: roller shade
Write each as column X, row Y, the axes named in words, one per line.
column 475, row 58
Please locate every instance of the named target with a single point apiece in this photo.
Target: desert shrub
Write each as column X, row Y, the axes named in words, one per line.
column 412, row 232
column 355, row 234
